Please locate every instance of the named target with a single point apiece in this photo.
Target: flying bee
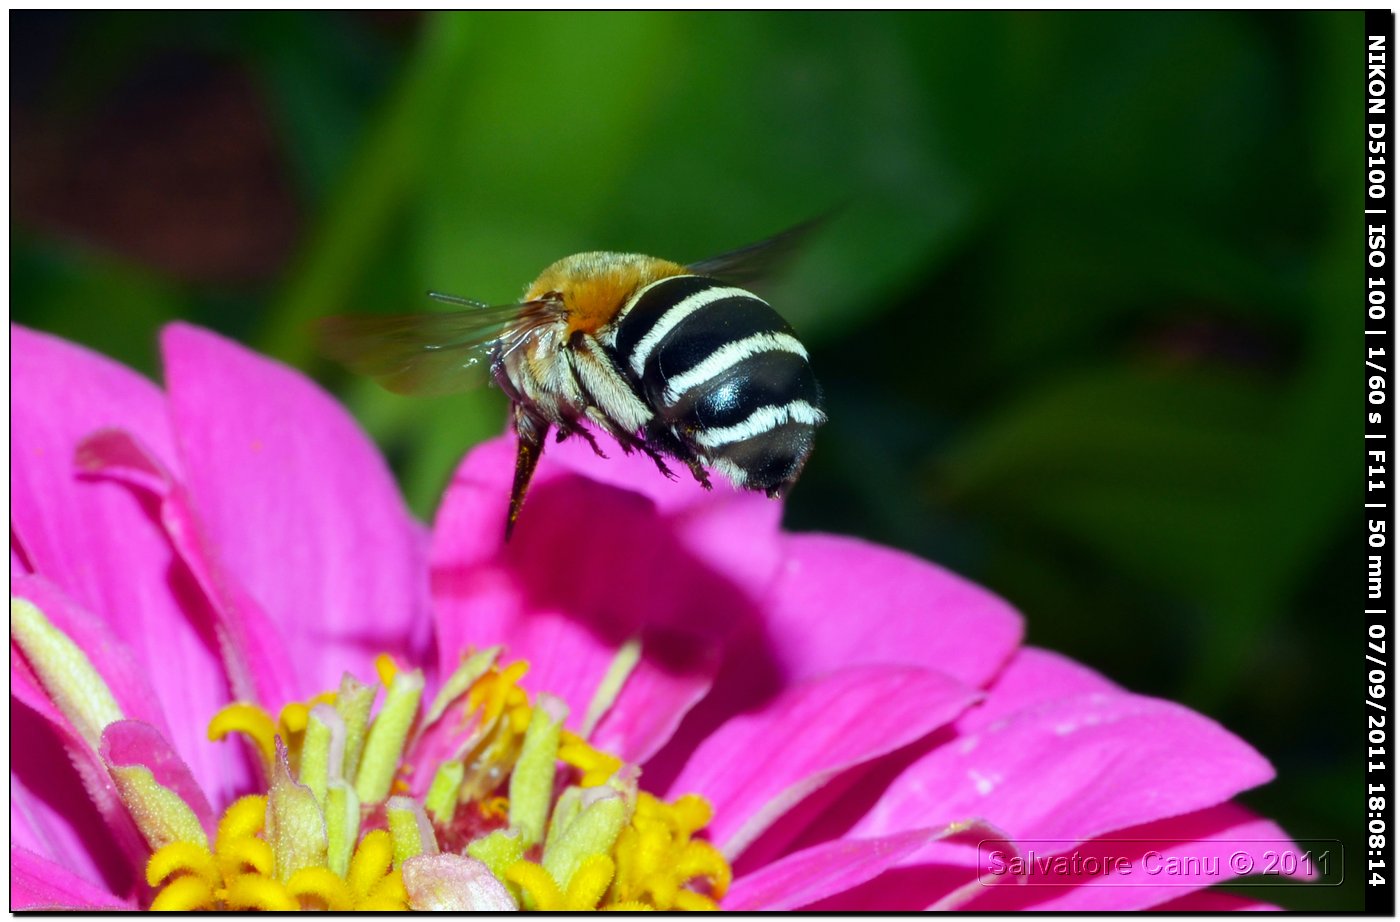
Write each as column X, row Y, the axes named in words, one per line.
column 670, row 360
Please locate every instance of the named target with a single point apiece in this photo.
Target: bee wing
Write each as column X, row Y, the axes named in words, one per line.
column 430, row 353
column 758, row 261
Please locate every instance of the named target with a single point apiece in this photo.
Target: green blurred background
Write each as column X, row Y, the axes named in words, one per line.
column 1085, row 315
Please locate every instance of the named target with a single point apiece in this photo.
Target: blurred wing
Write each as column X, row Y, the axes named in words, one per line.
column 427, row 354
column 759, row 261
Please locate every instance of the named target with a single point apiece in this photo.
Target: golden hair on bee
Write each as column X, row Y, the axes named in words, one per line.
column 594, row 286
column 667, row 359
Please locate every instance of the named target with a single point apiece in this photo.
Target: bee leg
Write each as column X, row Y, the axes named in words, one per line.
column 659, row 440
column 530, row 435
column 593, row 443
column 570, row 428
column 697, row 470
column 660, row 463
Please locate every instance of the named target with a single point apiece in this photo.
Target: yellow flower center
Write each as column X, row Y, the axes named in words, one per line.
column 560, row 824
column 240, row 872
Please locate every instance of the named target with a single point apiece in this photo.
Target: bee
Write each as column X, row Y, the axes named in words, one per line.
column 675, row 361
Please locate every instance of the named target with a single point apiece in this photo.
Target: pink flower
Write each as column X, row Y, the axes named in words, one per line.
column 863, row 729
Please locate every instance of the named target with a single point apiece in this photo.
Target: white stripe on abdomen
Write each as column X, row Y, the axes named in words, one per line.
column 762, row 420
column 726, row 357
column 673, row 316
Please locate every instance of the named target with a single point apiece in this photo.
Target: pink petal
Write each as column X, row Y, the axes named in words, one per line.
column 124, row 676
column 70, row 806
column 51, row 814
column 904, row 890
column 1202, row 845
column 1032, row 677
column 1214, row 901
column 924, row 880
column 638, row 474
column 759, row 765
column 1073, row 769
column 131, row 742
column 815, row 873
column 842, row 601
column 38, row 883
column 299, row 506
column 254, row 656
column 565, row 596
column 103, row 546
column 19, row 566
column 838, row 602
column 27, row 690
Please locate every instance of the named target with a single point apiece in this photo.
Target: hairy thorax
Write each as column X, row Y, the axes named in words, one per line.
column 594, row 286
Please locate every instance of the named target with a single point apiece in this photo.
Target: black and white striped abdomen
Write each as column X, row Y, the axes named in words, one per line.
column 724, row 372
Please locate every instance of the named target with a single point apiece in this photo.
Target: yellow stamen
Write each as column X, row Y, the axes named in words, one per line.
column 517, row 712
column 370, row 862
column 388, row 894
column 495, row 808
column 184, row 894
column 701, row 859
column 692, row 813
column 182, row 858
column 321, row 884
column 542, row 892
column 386, row 669
column 538, row 889
column 690, row 901
column 239, row 856
column 244, row 817
column 493, row 692
column 596, row 766
column 250, row 720
column 292, row 718
column 589, row 883
column 657, row 859
column 604, row 844
column 252, row 891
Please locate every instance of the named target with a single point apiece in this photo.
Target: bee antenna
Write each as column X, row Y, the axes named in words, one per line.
column 454, row 299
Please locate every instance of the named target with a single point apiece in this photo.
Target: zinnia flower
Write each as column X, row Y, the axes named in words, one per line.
column 651, row 698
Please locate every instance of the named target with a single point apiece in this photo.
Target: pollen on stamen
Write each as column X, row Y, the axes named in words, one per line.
column 558, row 823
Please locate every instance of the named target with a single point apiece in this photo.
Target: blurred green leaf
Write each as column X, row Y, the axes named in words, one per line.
column 321, row 76
column 1155, row 472
column 369, row 197
column 93, row 299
